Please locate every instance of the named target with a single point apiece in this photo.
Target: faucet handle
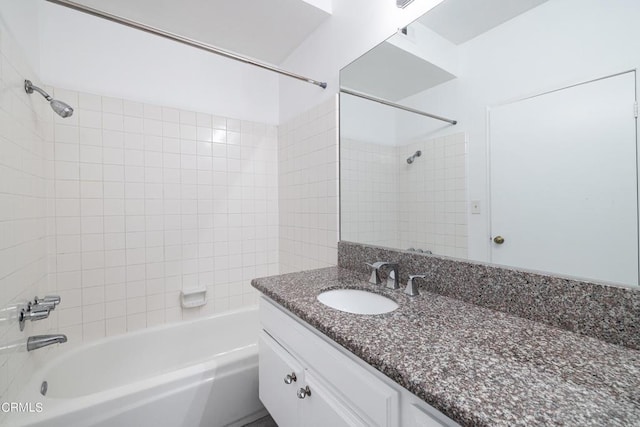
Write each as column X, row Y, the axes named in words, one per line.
column 376, row 265
column 412, row 288
column 49, row 301
column 375, row 274
column 33, row 314
column 38, row 313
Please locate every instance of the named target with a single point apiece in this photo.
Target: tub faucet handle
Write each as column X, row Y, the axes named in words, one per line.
column 37, row 313
column 49, row 301
column 32, row 313
column 412, row 288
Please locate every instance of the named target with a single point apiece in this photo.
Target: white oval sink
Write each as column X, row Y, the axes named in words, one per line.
column 357, row 301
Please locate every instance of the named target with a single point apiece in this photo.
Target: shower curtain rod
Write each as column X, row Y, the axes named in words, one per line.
column 180, row 39
column 394, row 105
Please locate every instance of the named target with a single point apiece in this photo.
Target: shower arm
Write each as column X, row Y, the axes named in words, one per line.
column 30, row 87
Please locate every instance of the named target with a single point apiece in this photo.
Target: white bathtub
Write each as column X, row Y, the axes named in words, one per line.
column 198, row 373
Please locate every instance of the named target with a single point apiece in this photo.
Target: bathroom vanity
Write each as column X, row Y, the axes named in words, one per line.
column 307, row 380
column 434, row 361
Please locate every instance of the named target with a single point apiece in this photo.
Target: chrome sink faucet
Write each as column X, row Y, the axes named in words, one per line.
column 38, row 341
column 392, row 279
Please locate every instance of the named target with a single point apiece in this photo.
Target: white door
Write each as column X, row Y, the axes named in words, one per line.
column 564, row 181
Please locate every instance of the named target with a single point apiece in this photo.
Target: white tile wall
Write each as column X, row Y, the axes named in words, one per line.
column 308, row 189
column 151, row 200
column 436, row 221
column 24, row 125
column 388, row 202
column 370, row 205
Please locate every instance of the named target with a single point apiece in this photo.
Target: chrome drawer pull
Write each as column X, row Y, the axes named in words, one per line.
column 290, row 378
column 304, row 392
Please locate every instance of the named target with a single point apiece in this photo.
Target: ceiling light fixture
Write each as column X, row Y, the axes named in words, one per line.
column 403, row 3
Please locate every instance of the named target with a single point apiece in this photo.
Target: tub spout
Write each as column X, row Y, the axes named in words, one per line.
column 38, row 341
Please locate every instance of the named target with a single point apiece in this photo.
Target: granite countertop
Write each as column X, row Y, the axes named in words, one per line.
column 478, row 366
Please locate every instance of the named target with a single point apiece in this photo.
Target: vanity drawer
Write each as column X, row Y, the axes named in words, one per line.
column 368, row 396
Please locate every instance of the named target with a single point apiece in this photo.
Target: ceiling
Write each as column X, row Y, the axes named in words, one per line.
column 267, row 30
column 461, row 20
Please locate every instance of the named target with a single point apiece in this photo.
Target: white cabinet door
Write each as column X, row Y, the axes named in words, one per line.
column 318, row 409
column 323, row 409
column 280, row 398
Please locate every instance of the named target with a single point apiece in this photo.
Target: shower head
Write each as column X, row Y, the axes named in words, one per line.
column 411, row 158
column 61, row 108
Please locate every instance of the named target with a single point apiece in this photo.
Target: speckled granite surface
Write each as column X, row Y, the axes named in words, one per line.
column 609, row 313
column 479, row 366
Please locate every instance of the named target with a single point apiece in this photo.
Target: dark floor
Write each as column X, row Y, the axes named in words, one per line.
column 263, row 422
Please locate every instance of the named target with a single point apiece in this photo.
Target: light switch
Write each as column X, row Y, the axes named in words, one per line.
column 475, row 207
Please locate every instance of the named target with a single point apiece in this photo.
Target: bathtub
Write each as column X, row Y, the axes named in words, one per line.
column 197, row 373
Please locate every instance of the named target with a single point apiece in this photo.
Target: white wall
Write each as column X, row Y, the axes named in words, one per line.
column 96, row 56
column 556, row 44
column 20, row 20
column 354, row 27
column 367, row 121
column 425, row 43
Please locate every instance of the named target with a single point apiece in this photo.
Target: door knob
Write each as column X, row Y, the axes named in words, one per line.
column 498, row 239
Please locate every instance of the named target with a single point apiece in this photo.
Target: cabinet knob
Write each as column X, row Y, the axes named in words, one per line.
column 290, row 378
column 304, row 392
column 499, row 240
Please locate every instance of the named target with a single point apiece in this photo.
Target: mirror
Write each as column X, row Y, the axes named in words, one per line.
column 539, row 170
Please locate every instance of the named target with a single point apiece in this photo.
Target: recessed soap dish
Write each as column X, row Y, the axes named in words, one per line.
column 192, row 298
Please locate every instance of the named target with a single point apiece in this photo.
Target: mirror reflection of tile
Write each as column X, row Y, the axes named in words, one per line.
column 379, row 187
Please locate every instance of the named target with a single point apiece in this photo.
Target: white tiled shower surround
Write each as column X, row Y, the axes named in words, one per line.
column 436, row 221
column 124, row 204
column 308, row 189
column 370, row 181
column 380, row 187
column 150, row 201
column 24, row 126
